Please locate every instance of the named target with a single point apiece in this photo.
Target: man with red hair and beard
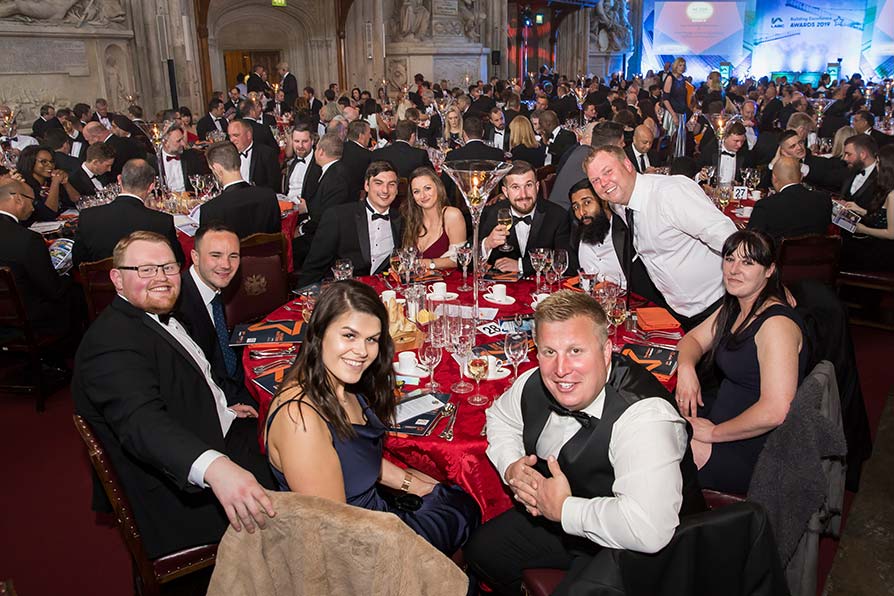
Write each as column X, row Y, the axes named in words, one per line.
column 147, row 391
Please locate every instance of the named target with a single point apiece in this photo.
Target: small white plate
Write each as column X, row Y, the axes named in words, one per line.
column 492, row 374
column 443, row 297
column 494, row 300
column 418, row 373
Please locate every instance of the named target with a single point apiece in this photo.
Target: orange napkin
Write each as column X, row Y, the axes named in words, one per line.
column 571, row 282
column 285, row 206
column 655, row 317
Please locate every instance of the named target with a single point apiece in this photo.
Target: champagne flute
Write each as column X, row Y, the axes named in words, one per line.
column 478, row 370
column 463, row 259
column 548, row 267
column 504, row 218
column 515, row 346
column 430, row 357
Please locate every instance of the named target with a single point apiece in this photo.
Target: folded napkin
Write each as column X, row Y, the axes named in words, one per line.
column 654, row 317
column 495, row 275
column 571, row 282
column 285, row 206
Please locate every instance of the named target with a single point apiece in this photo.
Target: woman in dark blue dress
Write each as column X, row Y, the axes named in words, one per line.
column 326, row 425
column 757, row 342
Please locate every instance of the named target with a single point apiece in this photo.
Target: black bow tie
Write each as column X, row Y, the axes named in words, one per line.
column 861, row 173
column 727, row 153
column 517, row 220
column 585, row 419
column 173, row 157
column 165, row 318
column 299, row 160
column 375, row 215
column 245, row 153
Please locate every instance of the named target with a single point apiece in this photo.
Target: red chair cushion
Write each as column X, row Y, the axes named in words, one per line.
column 542, row 582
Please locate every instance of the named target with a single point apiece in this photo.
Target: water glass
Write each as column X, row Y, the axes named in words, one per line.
column 430, row 357
column 515, row 346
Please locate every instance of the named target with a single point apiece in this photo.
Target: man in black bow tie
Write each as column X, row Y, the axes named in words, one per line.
column 734, row 155
column 591, row 446
column 213, row 120
column 180, row 163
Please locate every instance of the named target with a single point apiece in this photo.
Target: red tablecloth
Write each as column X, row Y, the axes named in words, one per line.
column 462, row 461
column 289, row 223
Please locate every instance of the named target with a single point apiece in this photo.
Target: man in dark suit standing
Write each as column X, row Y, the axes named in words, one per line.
column 366, row 232
column 356, row 157
column 215, row 261
column 100, row 228
column 535, row 224
column 125, row 148
column 288, row 85
column 244, row 208
column 213, row 120
column 255, row 80
column 557, row 139
column 864, row 123
column 401, row 153
column 565, row 104
column 259, row 164
column 147, row 391
column 482, row 101
column 46, row 121
column 260, row 123
column 770, row 109
column 315, row 104
column 734, row 156
column 496, row 132
column 93, row 175
column 44, row 292
column 180, row 163
column 860, row 153
column 793, row 210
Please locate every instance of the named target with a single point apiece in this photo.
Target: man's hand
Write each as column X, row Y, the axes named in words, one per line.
column 523, row 480
column 552, row 492
column 507, row 265
column 242, row 498
column 496, row 238
column 244, row 411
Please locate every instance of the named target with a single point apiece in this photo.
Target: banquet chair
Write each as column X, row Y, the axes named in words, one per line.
column 546, row 186
column 151, row 577
column 98, row 288
column 261, row 284
column 543, row 171
column 17, row 336
column 809, row 257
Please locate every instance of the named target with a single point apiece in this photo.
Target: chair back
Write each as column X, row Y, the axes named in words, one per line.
column 546, row 186
column 543, row 171
column 809, row 257
column 98, row 287
column 261, row 284
column 403, row 189
column 12, row 308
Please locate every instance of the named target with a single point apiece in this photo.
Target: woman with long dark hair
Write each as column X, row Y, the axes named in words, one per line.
column 53, row 192
column 757, row 342
column 327, row 422
column 430, row 224
column 871, row 246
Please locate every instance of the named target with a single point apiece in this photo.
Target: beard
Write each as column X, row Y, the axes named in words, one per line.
column 593, row 230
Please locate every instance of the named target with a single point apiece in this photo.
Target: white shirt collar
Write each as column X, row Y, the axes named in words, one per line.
column 226, row 186
column 326, row 167
column 555, row 133
column 205, row 292
column 10, row 215
column 247, row 149
column 789, row 184
column 372, row 209
column 127, row 194
column 868, row 169
column 88, row 171
column 637, row 199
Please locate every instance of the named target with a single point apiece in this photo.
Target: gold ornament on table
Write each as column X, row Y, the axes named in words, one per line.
column 130, row 98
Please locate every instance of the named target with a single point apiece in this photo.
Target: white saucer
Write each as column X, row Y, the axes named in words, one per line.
column 443, row 297
column 418, row 373
column 494, row 300
column 493, row 375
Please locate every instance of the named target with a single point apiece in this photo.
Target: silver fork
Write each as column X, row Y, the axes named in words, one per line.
column 271, row 365
column 447, row 433
column 658, row 334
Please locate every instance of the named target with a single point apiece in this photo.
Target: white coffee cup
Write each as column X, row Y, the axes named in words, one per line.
column 439, row 288
column 388, row 295
column 493, row 365
column 498, row 291
column 406, row 362
column 538, row 298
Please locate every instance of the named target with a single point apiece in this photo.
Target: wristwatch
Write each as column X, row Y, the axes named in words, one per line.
column 431, row 265
column 405, row 486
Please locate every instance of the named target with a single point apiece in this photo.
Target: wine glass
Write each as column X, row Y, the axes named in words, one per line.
column 478, row 368
column 504, row 218
column 408, row 261
column 462, row 348
column 343, row 269
column 724, row 195
column 430, row 357
column 560, row 262
column 538, row 261
column 547, row 267
column 587, row 280
column 515, row 346
column 463, row 259
column 616, row 314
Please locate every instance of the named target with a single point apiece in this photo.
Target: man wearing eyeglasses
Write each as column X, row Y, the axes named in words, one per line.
column 147, row 390
column 44, row 292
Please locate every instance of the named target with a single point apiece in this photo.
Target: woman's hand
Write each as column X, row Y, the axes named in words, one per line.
column 689, row 392
column 855, row 208
column 58, row 177
column 702, row 429
column 421, row 484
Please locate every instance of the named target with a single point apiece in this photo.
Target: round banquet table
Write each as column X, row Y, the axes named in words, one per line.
column 462, row 461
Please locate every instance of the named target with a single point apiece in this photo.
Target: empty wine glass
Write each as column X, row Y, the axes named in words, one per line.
column 515, row 346
column 463, row 259
column 538, row 261
column 462, row 348
column 587, row 280
column 430, row 357
column 560, row 262
column 408, row 261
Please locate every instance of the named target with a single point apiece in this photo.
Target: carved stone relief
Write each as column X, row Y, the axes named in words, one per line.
column 67, row 12
column 117, row 77
column 448, row 28
column 456, row 69
column 397, row 73
column 610, row 29
column 472, row 15
column 411, row 21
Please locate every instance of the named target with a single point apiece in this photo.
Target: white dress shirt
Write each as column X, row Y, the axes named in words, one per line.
column 641, row 156
column 726, row 173
column 750, row 137
column 205, row 292
column 602, row 258
column 173, row 172
column 75, row 146
column 860, row 178
column 216, row 121
column 296, row 180
column 245, row 162
column 498, row 138
column 678, row 233
column 549, row 156
column 522, row 233
column 105, row 121
column 647, row 443
column 20, row 141
column 381, row 238
column 94, row 179
column 321, row 128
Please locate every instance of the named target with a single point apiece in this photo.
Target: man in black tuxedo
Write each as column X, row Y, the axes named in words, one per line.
column 57, row 140
column 734, row 157
column 180, row 163
column 252, row 114
column 860, row 153
column 482, row 100
column 435, row 128
column 496, row 131
column 44, row 292
column 366, row 232
column 475, row 148
column 640, row 153
column 215, row 261
column 125, row 148
column 72, row 127
column 245, row 208
column 213, row 120
column 535, row 224
column 793, row 210
column 402, row 154
column 100, row 228
column 46, row 121
column 102, row 114
column 259, row 163
column 864, row 122
column 315, row 104
column 147, row 391
column 557, row 139
column 302, row 173
column 288, row 85
column 231, row 106
column 355, row 156
column 771, row 107
column 565, row 103
column 255, row 80
column 93, row 175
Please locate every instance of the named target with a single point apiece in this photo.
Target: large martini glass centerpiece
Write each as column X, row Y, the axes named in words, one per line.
column 475, row 180
column 156, row 133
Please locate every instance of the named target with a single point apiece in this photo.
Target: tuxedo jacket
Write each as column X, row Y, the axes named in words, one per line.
column 881, row 139
column 864, row 193
column 549, row 229
column 206, row 125
column 191, row 163
column 796, row 211
column 343, row 233
column 100, row 228
column 44, row 292
column 126, row 148
column 570, row 172
column 84, row 184
column 404, row 157
column 434, row 131
column 482, row 106
column 262, row 135
column 332, row 189
column 81, row 154
column 245, row 208
column 289, row 87
column 708, row 157
column 263, row 170
column 769, row 114
column 255, row 83
column 154, row 413
column 66, row 162
column 564, row 106
column 475, row 150
column 191, row 311
column 311, row 177
column 628, row 149
column 565, row 140
column 490, row 132
column 355, row 159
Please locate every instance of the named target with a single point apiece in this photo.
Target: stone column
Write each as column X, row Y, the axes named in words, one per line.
column 572, row 51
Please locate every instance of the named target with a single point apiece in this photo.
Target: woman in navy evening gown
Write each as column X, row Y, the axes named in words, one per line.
column 327, row 423
column 757, row 342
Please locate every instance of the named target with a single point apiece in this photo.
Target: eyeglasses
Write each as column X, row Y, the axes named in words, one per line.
column 23, row 195
column 149, row 271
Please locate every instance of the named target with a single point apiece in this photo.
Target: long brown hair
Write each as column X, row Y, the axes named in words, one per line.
column 414, row 224
column 310, row 375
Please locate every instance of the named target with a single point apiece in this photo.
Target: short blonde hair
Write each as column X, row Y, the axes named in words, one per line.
column 567, row 304
column 613, row 150
column 140, row 235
